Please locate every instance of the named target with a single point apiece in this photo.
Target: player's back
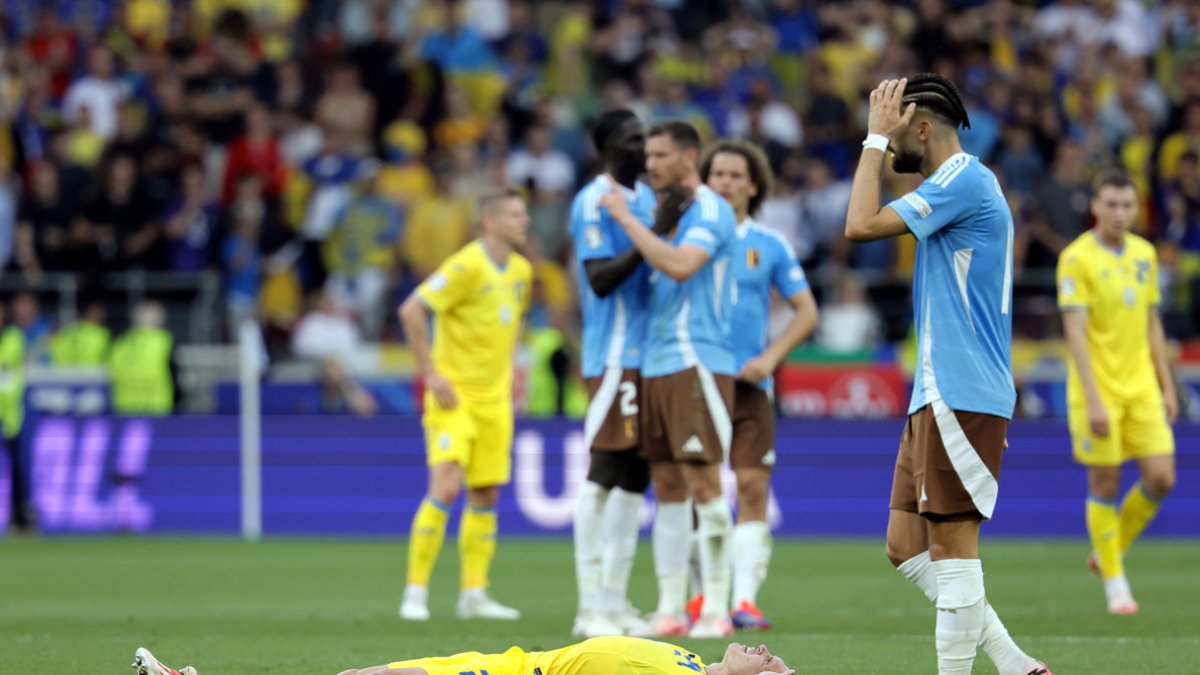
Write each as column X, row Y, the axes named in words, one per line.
column 690, row 321
column 616, row 656
column 962, row 288
column 614, row 326
column 763, row 259
column 1118, row 289
column 478, row 305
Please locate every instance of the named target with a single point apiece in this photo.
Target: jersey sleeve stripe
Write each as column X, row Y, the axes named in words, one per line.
column 591, row 201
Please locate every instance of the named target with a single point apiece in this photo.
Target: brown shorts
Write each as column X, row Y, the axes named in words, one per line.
column 949, row 463
column 685, row 417
column 612, row 414
column 753, row 428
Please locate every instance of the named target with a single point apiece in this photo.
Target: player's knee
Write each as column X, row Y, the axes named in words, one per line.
column 446, row 493
column 1160, row 484
column 898, row 554
column 484, row 497
column 1104, row 482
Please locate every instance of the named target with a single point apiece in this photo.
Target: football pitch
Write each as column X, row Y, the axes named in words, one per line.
column 319, row 606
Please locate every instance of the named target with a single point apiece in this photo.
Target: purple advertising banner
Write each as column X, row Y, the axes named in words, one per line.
column 350, row 476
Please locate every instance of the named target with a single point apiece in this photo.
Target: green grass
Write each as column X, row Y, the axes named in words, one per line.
column 318, row 606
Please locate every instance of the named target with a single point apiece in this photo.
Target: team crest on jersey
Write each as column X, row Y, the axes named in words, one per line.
column 752, row 258
column 519, row 290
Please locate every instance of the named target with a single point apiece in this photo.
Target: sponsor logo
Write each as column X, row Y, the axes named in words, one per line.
column 693, row 444
column 919, row 204
column 769, row 458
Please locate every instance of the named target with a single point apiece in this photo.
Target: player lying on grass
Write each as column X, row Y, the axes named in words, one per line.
column 604, row 655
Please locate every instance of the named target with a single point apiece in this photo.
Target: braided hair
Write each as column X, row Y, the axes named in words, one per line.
column 935, row 94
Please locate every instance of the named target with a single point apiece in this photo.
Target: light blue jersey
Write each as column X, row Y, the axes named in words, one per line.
column 614, row 327
column 962, row 289
column 690, row 321
column 763, row 260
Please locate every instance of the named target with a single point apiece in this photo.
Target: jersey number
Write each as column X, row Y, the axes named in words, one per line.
column 687, row 662
column 629, row 406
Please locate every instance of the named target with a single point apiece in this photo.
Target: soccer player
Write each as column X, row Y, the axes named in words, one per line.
column 740, row 172
column 688, row 373
column 945, row 481
column 1121, row 397
column 608, row 655
column 612, row 294
column 476, row 299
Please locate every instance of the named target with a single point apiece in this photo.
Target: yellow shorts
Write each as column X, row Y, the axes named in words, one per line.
column 1135, row 430
column 476, row 435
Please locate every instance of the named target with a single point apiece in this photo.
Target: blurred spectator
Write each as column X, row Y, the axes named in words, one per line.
column 241, row 259
column 1061, row 207
column 36, row 327
column 828, row 121
column 8, row 215
column 547, row 172
column 256, row 151
column 325, row 332
column 436, row 227
column 1181, row 141
column 456, row 47
column 1019, row 161
column 765, row 119
column 48, row 236
column 361, row 251
column 143, row 380
column 191, row 223
column 341, row 394
column 345, row 111
column 405, row 178
column 824, row 204
column 22, row 510
column 84, row 342
column 329, row 175
column 123, row 220
column 98, row 92
column 848, row 323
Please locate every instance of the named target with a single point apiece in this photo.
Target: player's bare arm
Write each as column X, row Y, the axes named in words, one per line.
column 606, row 274
column 801, row 325
column 677, row 262
column 1158, row 353
column 415, row 315
column 1075, row 330
column 865, row 220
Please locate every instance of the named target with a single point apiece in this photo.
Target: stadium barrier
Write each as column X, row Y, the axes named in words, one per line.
column 364, row 477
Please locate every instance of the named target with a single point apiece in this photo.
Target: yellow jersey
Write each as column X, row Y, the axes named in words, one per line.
column 1118, row 289
column 609, row 655
column 478, row 307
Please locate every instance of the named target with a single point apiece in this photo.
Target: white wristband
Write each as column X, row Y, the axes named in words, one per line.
column 876, row 141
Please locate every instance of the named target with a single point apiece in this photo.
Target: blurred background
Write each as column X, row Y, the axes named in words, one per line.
column 210, row 209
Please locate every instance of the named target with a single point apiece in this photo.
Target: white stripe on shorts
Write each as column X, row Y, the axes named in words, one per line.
column 717, row 411
column 601, row 403
column 974, row 474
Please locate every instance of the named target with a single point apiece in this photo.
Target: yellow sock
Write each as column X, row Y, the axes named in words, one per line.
column 425, row 540
column 1104, row 527
column 1137, row 510
column 477, row 545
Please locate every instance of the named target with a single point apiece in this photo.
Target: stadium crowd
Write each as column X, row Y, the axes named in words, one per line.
column 330, row 151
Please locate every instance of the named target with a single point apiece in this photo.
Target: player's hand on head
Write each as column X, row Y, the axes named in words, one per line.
column 442, row 391
column 673, row 202
column 888, row 115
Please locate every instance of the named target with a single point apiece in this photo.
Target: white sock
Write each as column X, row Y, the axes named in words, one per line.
column 960, row 612
column 589, row 543
column 621, row 520
column 919, row 570
column 716, row 528
column 751, row 557
column 417, row 594
column 695, row 573
column 672, row 524
column 995, row 640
